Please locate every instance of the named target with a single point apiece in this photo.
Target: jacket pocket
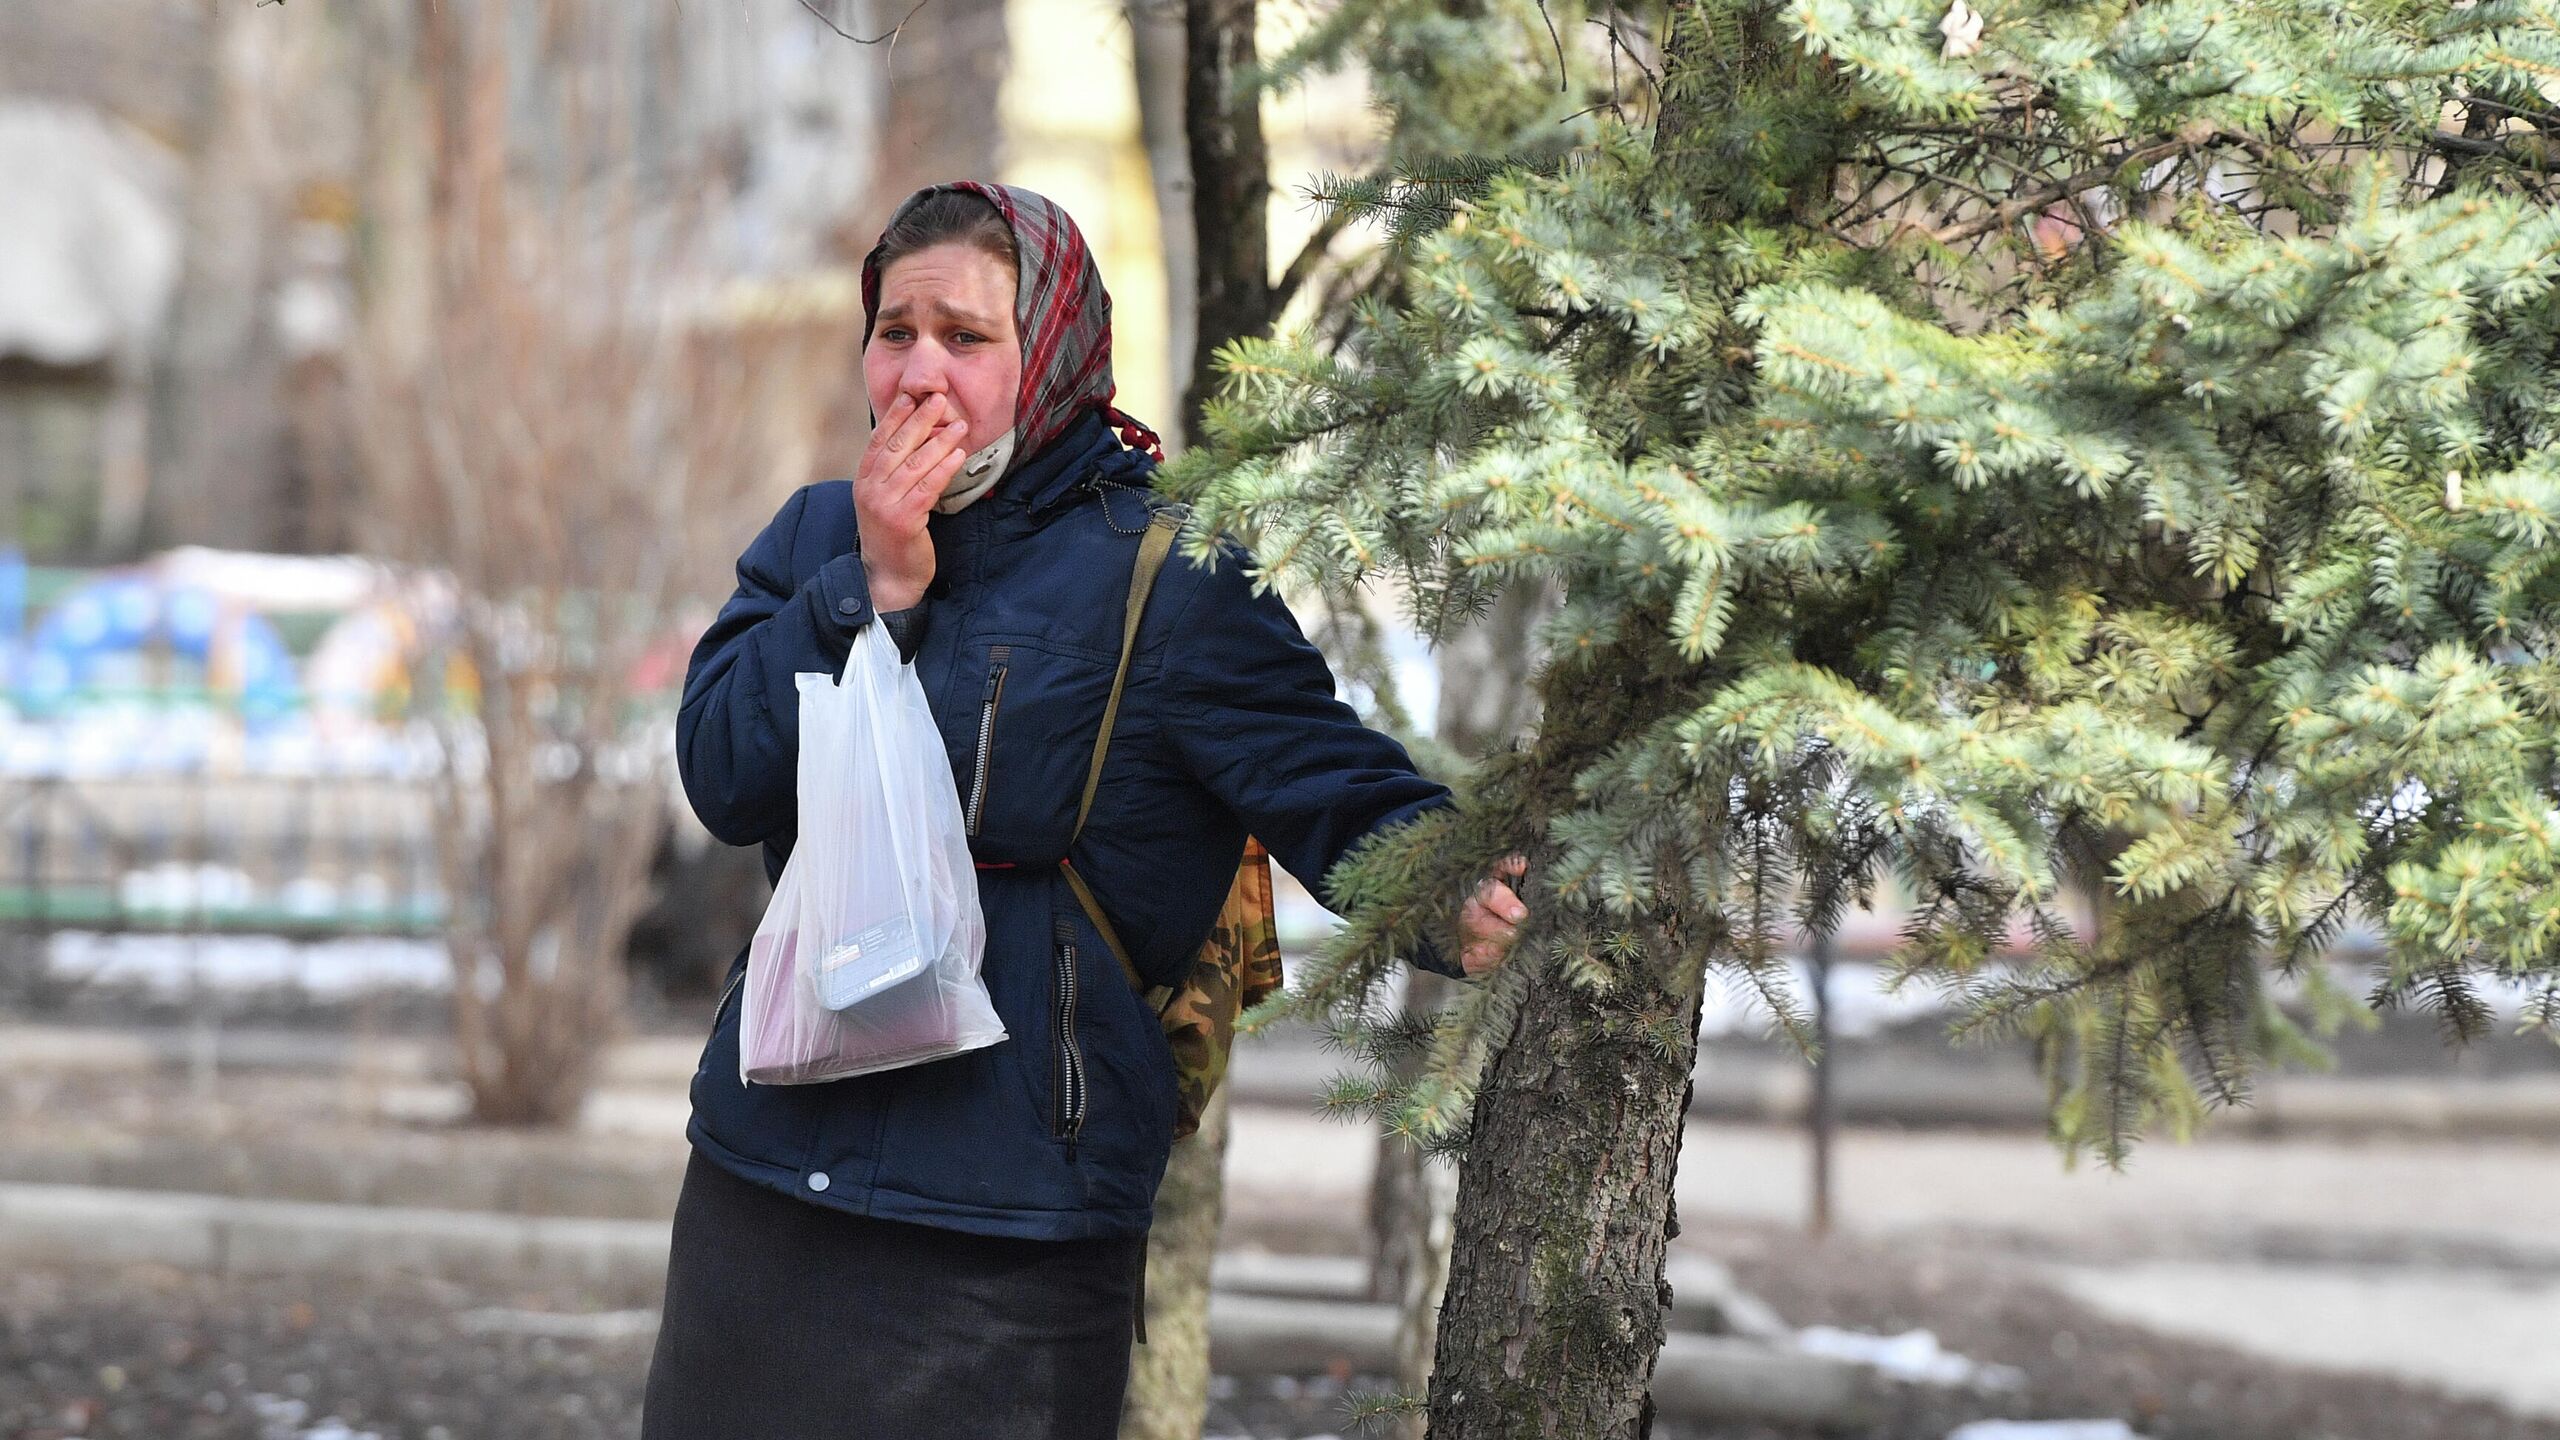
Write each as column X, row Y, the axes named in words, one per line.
column 1068, row 1091
column 998, row 661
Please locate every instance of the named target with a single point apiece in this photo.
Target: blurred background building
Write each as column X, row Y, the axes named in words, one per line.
column 175, row 260
column 195, row 206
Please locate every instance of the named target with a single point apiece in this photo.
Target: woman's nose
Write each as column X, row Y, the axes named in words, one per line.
column 926, row 374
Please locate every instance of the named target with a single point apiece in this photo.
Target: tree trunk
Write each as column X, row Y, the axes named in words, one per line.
column 571, row 560
column 1156, row 32
column 1554, row 1310
column 1211, row 211
column 1168, row 1396
column 1414, row 1220
column 936, row 122
column 1400, row 1188
column 1230, row 188
column 215, row 431
column 1487, row 699
column 1485, row 702
column 1554, row 1314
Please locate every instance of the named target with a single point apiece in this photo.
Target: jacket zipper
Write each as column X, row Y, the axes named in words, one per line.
column 987, row 734
column 1069, row 1091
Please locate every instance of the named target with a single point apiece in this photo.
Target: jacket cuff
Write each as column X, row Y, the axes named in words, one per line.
column 907, row 628
column 845, row 595
column 1426, row 956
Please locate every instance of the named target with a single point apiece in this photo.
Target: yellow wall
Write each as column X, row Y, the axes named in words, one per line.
column 1070, row 115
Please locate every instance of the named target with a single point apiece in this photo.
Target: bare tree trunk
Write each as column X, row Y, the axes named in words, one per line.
column 1401, row 1190
column 1156, row 27
column 937, row 122
column 1168, row 1395
column 1413, row 1203
column 1425, row 1280
column 1822, row 1121
column 1486, row 698
column 218, row 434
column 1554, row 1312
column 1216, row 218
column 1485, row 702
column 561, row 441
column 1230, row 188
column 124, row 465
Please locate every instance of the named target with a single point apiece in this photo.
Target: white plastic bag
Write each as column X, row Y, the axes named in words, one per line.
column 868, row 955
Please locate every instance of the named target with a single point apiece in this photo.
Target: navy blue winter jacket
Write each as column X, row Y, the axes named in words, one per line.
column 1228, row 726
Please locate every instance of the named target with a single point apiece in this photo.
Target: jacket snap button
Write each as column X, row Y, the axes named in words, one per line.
column 817, row 1179
column 848, row 607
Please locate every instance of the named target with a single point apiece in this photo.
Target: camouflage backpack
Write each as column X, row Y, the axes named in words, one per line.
column 1239, row 964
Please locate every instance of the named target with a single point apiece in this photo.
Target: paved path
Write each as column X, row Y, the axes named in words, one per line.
column 2437, row 1200
column 2431, row 1261
column 2478, row 1332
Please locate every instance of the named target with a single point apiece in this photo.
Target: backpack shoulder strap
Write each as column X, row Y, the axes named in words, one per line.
column 1151, row 554
column 1152, row 551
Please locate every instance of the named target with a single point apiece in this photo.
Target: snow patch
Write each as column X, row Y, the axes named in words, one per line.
column 1913, row 1356
column 2044, row 1431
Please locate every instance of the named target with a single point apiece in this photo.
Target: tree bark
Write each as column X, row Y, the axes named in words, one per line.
column 1697, row 73
column 1230, row 188
column 1417, row 1205
column 215, row 432
column 1486, row 701
column 1157, row 35
column 1168, row 1397
column 936, row 123
column 1400, row 1188
column 1212, row 212
column 1554, row 1311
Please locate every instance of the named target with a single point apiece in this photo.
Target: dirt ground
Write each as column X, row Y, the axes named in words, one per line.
column 1979, row 1237
column 147, row 1353
column 2078, row 1364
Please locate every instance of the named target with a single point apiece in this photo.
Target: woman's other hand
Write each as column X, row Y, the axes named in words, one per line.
column 1491, row 919
column 913, row 453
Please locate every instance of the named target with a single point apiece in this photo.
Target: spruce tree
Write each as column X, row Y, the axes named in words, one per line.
column 1466, row 89
column 2012, row 452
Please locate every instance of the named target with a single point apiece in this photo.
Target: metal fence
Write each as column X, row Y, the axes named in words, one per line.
column 305, row 856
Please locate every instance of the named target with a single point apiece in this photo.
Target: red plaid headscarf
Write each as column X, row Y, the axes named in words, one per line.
column 1061, row 310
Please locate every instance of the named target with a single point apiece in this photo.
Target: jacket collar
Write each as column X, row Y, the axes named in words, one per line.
column 1086, row 452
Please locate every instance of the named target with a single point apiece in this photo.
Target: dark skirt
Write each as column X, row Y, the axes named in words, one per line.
column 789, row 1321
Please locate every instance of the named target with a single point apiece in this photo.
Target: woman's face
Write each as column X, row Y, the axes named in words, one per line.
column 945, row 328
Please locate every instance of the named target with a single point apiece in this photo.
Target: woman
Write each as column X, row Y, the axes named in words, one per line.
column 954, row 1249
